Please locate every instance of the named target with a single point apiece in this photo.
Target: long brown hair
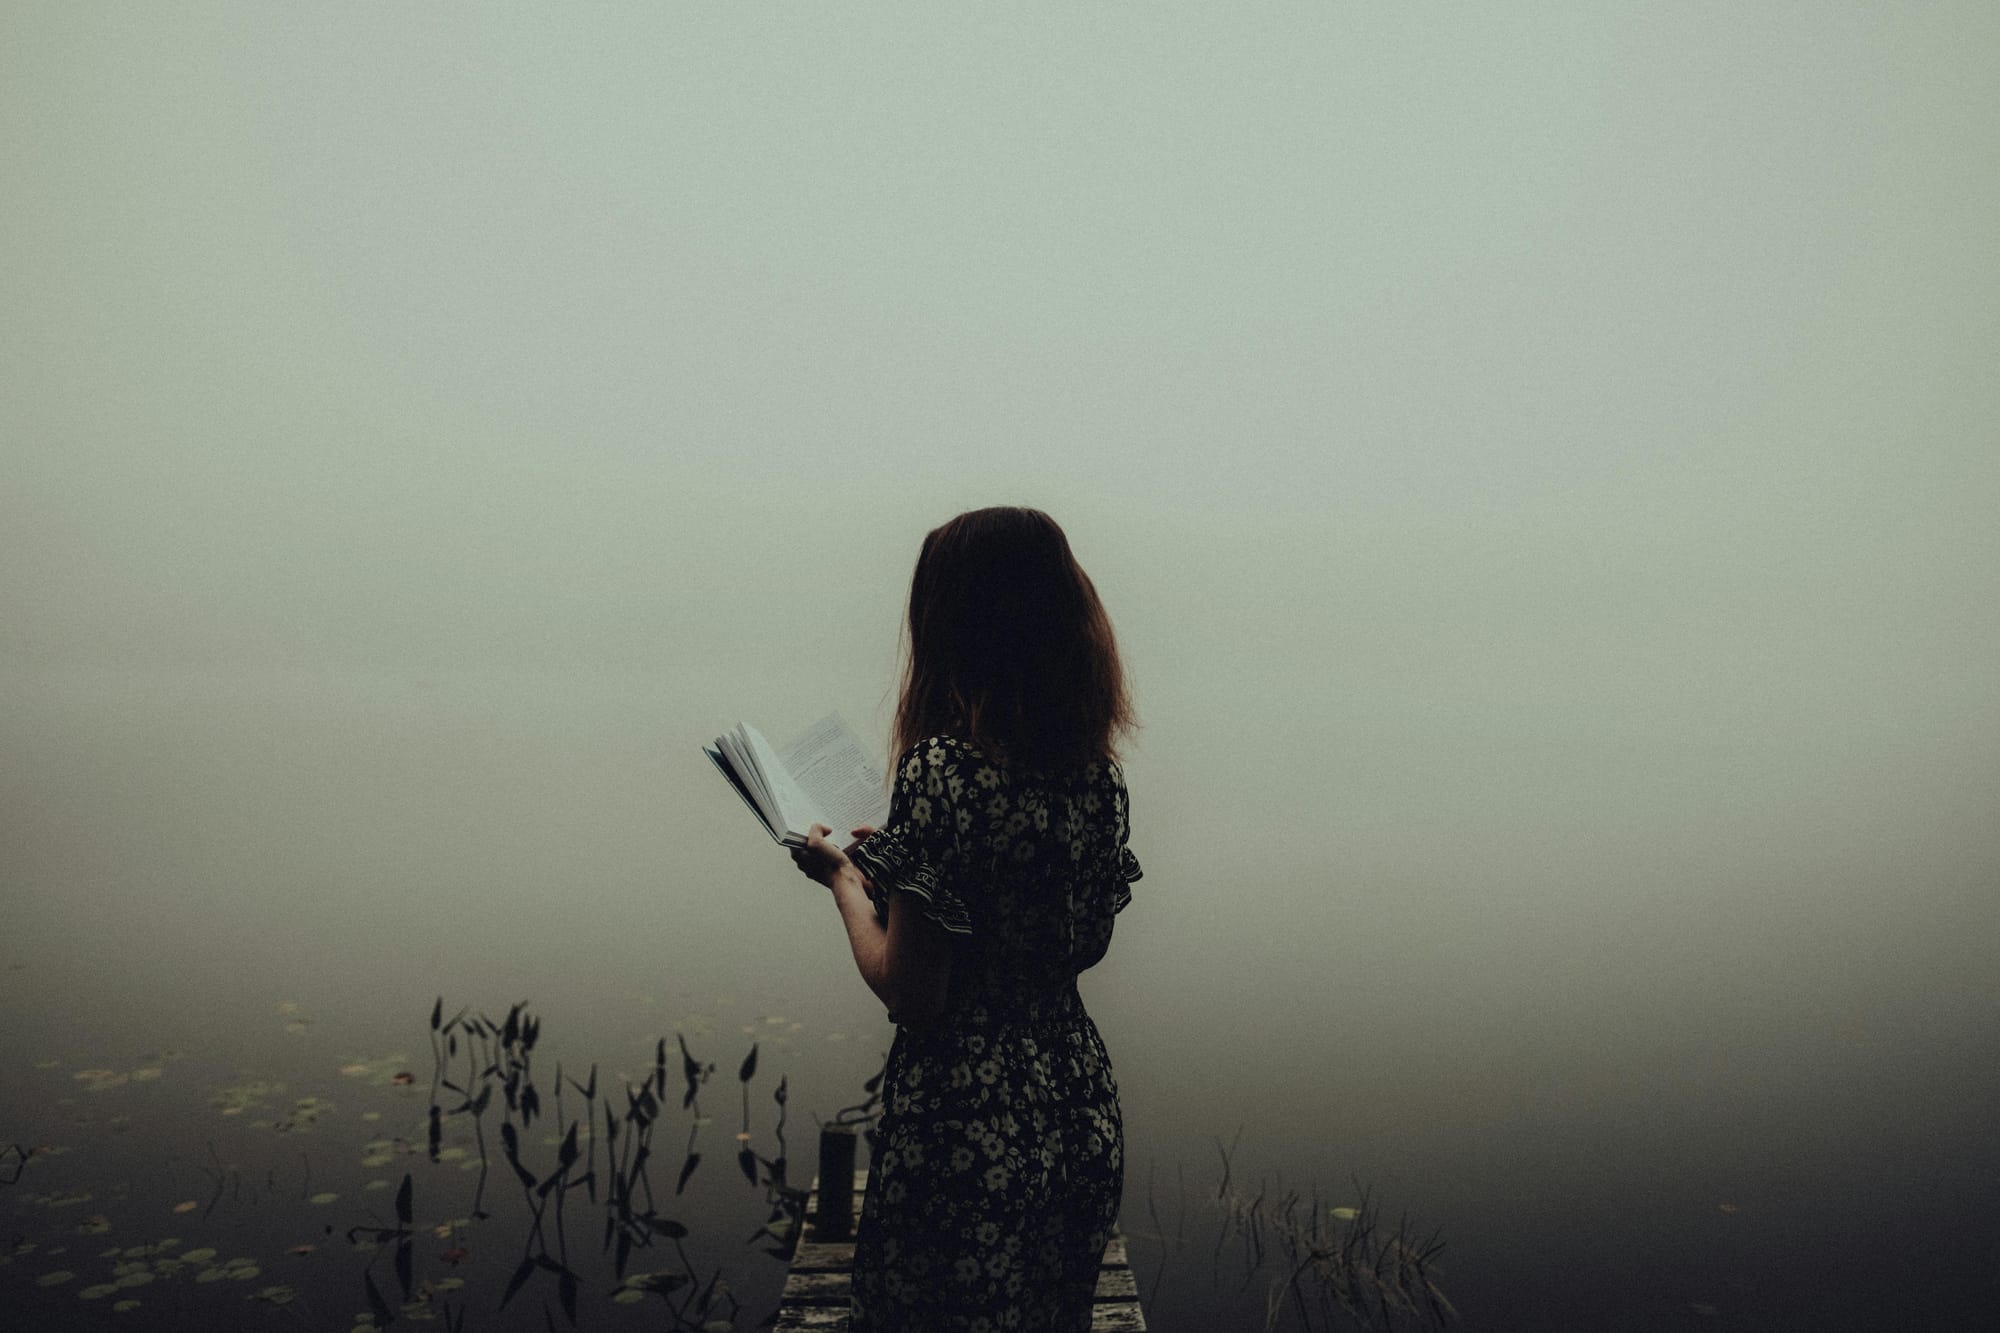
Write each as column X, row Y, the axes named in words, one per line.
column 1009, row 646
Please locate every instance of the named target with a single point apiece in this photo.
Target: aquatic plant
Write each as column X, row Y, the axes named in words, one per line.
column 1337, row 1264
column 498, row 1057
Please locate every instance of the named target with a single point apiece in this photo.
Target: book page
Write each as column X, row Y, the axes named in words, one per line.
column 737, row 749
column 832, row 768
column 796, row 809
column 728, row 771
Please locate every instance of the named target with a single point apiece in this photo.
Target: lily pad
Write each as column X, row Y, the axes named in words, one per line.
column 98, row 1291
column 60, row 1199
column 55, row 1279
column 239, row 1097
column 123, row 1306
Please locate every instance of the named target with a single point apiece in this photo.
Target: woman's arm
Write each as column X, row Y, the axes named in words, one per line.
column 907, row 965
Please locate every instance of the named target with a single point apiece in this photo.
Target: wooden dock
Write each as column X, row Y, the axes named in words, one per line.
column 816, row 1288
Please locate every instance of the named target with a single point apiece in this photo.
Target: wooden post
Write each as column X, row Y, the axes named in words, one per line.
column 836, row 1162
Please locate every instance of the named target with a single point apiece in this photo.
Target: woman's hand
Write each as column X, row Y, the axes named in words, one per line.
column 821, row 860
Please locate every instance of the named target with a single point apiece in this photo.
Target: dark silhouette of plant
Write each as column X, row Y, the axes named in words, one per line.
column 1336, row 1264
column 498, row 1058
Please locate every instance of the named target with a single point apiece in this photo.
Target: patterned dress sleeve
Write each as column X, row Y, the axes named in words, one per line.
column 915, row 850
column 1128, row 864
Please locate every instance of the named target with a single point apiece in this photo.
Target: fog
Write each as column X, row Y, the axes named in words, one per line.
column 1541, row 467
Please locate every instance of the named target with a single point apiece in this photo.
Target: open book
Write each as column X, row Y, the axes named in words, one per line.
column 823, row 777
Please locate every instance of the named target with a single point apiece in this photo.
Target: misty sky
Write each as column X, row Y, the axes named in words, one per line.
column 1541, row 462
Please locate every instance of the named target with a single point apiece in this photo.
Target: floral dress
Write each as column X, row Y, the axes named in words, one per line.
column 998, row 1161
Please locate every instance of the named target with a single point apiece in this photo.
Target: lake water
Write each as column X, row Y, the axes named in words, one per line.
column 233, row 904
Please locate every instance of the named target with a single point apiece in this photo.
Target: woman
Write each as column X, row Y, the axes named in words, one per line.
column 999, row 1158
